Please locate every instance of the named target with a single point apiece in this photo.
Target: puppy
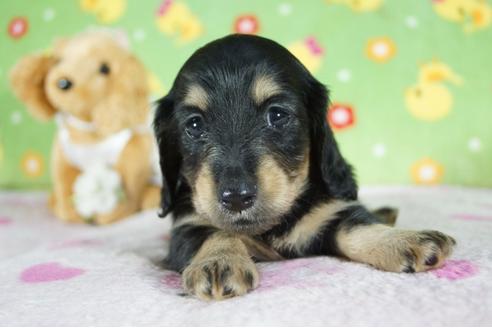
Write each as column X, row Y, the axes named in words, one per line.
column 252, row 172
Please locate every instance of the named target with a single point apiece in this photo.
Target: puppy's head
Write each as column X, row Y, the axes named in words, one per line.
column 242, row 135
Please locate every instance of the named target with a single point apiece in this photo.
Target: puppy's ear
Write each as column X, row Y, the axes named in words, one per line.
column 328, row 165
column 166, row 132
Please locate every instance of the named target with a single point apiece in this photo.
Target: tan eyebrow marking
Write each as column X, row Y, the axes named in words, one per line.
column 196, row 96
column 264, row 87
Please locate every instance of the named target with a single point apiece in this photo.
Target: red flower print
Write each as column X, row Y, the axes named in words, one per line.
column 341, row 116
column 18, row 27
column 246, row 24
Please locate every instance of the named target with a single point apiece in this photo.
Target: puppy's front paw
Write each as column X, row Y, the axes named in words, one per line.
column 415, row 251
column 220, row 277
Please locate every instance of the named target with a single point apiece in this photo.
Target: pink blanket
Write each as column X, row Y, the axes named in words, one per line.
column 57, row 274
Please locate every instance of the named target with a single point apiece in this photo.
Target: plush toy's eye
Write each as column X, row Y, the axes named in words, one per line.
column 195, row 127
column 104, row 69
column 277, row 117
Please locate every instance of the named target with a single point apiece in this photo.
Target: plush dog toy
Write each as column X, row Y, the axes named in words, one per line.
column 102, row 156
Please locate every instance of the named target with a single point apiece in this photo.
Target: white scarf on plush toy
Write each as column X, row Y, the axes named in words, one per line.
column 98, row 189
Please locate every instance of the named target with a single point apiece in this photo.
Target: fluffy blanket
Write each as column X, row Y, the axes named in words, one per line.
column 57, row 274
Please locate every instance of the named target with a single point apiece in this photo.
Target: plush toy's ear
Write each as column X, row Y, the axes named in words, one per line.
column 166, row 132
column 126, row 104
column 327, row 164
column 27, row 79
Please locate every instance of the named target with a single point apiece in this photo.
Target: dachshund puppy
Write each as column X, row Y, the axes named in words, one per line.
column 252, row 171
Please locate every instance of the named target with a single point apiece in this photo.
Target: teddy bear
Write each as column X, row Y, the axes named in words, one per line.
column 103, row 159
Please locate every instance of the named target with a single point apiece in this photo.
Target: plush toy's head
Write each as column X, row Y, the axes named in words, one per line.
column 91, row 77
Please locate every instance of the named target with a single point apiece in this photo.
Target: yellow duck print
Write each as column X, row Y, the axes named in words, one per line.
column 430, row 99
column 474, row 15
column 309, row 52
column 174, row 18
column 106, row 11
column 359, row 5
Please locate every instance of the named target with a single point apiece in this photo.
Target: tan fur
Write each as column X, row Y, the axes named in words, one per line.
column 264, row 87
column 276, row 187
column 277, row 190
column 259, row 250
column 110, row 102
column 386, row 248
column 220, row 269
column 197, row 97
column 135, row 175
column 204, row 198
column 309, row 226
column 150, row 197
column 193, row 219
column 27, row 79
column 64, row 176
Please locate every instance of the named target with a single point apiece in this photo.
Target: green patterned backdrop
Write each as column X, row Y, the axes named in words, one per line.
column 411, row 80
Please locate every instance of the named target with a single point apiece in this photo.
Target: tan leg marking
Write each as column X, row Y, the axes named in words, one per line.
column 309, row 226
column 395, row 250
column 259, row 250
column 221, row 269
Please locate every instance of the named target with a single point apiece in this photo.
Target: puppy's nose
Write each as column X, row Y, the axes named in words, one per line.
column 240, row 199
column 64, row 84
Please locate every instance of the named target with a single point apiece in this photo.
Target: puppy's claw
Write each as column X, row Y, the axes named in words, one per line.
column 417, row 251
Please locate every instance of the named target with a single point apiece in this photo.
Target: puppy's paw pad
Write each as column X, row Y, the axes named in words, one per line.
column 424, row 250
column 220, row 279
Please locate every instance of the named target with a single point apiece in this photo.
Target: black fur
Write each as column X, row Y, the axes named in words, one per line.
column 224, row 68
column 347, row 219
column 185, row 242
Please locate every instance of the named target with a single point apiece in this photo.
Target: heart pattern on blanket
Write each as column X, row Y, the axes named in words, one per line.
column 5, row 221
column 456, row 269
column 51, row 271
column 172, row 280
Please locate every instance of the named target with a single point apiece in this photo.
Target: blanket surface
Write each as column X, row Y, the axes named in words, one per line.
column 57, row 274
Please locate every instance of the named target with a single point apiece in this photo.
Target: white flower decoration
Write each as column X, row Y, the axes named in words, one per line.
column 97, row 190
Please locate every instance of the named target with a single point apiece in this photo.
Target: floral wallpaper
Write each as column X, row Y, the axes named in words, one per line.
column 411, row 81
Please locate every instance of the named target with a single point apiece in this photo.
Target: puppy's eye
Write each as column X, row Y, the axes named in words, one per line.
column 104, row 69
column 277, row 117
column 195, row 127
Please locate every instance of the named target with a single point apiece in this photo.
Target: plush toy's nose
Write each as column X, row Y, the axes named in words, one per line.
column 64, row 84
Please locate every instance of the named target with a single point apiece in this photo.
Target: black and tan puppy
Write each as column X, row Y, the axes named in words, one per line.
column 252, row 171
